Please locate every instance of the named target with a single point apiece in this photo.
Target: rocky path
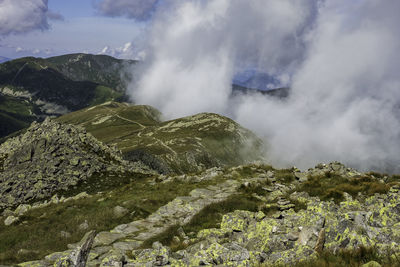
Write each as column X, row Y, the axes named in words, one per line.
column 110, row 247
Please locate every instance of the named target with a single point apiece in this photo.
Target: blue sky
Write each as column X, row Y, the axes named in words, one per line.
column 82, row 29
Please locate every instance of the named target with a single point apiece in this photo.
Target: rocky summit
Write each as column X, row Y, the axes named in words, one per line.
column 51, row 157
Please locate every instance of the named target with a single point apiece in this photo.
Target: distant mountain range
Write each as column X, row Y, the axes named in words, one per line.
column 33, row 88
column 254, row 79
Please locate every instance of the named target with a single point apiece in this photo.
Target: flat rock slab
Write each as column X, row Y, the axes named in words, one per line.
column 126, row 229
column 106, row 238
column 127, row 245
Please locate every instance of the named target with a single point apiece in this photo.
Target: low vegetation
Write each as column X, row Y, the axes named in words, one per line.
column 45, row 230
column 352, row 258
column 333, row 186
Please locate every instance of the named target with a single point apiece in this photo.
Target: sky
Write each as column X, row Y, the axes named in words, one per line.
column 68, row 27
column 339, row 57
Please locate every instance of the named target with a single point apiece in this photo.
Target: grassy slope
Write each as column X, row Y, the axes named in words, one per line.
column 40, row 235
column 207, row 138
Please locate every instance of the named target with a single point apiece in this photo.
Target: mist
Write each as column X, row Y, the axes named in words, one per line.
column 340, row 60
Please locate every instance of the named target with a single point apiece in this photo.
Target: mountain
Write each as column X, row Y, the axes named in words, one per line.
column 4, row 59
column 84, row 205
column 281, row 93
column 33, row 88
column 255, row 79
column 102, row 69
column 113, row 184
column 188, row 144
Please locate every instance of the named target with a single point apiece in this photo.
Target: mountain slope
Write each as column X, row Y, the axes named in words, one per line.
column 32, row 88
column 281, row 93
column 100, row 69
column 183, row 145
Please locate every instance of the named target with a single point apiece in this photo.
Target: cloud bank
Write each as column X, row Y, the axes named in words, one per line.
column 340, row 58
column 17, row 17
column 134, row 9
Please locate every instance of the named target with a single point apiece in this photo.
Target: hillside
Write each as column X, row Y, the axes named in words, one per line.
column 33, row 88
column 183, row 145
column 246, row 215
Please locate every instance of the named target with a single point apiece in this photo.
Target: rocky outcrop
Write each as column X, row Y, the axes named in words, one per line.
column 248, row 238
column 50, row 157
column 286, row 236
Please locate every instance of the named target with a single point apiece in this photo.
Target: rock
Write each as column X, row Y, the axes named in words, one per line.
column 371, row 264
column 319, row 246
column 48, row 158
column 7, row 212
column 127, row 245
column 22, row 209
column 80, row 255
column 10, row 220
column 80, row 195
column 106, row 238
column 83, row 226
column 120, row 212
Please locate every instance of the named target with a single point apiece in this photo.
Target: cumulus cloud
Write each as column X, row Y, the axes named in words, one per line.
column 22, row 16
column 340, row 58
column 127, row 51
column 197, row 46
column 135, row 9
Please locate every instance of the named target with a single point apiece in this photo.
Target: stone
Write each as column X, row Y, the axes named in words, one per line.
column 10, row 220
column 319, row 246
column 83, row 226
column 371, row 264
column 22, row 209
column 126, row 229
column 106, row 238
column 80, row 255
column 127, row 245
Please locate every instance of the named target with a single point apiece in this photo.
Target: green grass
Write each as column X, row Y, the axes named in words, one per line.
column 353, row 258
column 40, row 235
column 332, row 186
column 207, row 139
column 103, row 94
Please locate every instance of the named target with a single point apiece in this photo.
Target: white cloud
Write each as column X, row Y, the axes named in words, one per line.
column 22, row 16
column 195, row 47
column 341, row 59
column 126, row 51
column 136, row 9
